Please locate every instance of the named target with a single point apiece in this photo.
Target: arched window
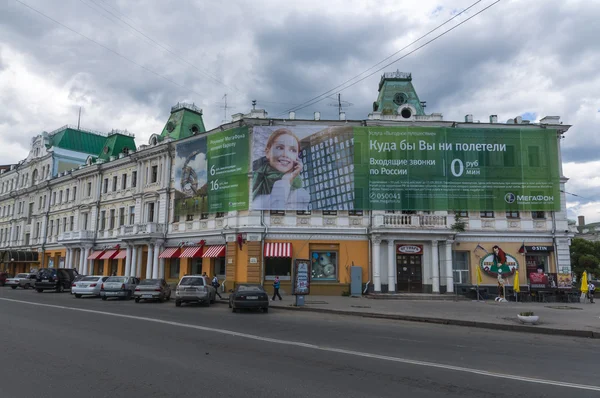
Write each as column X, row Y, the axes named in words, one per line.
column 34, row 176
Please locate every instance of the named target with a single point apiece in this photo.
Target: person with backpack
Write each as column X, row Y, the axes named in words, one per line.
column 591, row 289
column 276, row 285
column 216, row 284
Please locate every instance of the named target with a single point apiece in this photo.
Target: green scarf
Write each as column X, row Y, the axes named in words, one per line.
column 264, row 178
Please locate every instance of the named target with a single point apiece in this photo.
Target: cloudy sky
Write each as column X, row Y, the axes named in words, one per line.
column 138, row 58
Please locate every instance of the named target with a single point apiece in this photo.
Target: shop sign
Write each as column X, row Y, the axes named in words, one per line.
column 499, row 264
column 301, row 282
column 539, row 249
column 409, row 249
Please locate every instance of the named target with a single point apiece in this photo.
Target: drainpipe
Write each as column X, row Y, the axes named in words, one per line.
column 46, row 217
column 369, row 266
column 262, row 246
column 554, row 242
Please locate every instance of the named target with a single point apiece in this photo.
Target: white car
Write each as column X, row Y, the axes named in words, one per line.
column 88, row 286
column 21, row 280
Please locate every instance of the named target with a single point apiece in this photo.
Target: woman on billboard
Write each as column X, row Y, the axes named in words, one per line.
column 277, row 184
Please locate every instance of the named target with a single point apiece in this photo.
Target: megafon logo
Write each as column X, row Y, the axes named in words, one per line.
column 510, row 197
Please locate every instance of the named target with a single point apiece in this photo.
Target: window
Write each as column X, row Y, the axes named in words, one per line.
column 124, row 181
column 67, row 195
column 121, row 216
column 533, row 153
column 278, row 266
column 60, row 197
column 54, row 198
column 176, row 218
column 74, row 193
column 64, row 224
column 114, row 184
column 324, row 265
column 460, row 213
column 111, row 222
column 44, row 202
column 220, row 215
column 40, row 203
column 355, row 212
column 30, row 213
column 460, row 267
column 37, row 230
column 538, row 215
column 196, row 266
column 51, row 228
column 303, row 212
column 204, row 216
column 174, row 268
column 330, row 212
column 277, row 212
column 512, row 214
column 154, row 174
column 486, row 214
column 85, row 221
column 114, row 266
column 133, row 179
column 150, row 212
column 71, row 223
column 509, row 156
column 102, row 220
column 89, row 189
column 105, row 187
column 189, row 217
column 131, row 215
column 219, row 266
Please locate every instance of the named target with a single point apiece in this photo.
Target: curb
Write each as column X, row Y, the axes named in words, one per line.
column 454, row 322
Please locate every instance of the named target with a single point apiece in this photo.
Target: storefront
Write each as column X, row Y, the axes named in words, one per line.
column 15, row 262
column 409, row 266
column 537, row 260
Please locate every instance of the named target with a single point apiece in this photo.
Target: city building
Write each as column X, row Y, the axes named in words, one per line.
column 421, row 204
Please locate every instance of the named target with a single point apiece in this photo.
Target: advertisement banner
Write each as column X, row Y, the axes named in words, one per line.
column 211, row 173
column 499, row 263
column 301, row 283
column 404, row 168
column 228, row 170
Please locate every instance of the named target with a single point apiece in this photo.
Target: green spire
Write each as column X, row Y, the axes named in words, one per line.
column 185, row 121
column 116, row 143
column 395, row 92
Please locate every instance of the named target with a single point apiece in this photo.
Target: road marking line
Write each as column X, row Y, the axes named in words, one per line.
column 322, row 348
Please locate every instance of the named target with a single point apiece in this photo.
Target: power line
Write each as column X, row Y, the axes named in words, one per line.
column 108, row 48
column 318, row 98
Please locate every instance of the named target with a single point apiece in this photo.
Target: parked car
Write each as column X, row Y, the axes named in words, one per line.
column 121, row 287
column 194, row 289
column 58, row 279
column 3, row 277
column 152, row 289
column 249, row 296
column 88, row 286
column 21, row 280
column 78, row 277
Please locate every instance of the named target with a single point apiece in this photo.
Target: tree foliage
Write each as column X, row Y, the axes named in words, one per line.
column 585, row 256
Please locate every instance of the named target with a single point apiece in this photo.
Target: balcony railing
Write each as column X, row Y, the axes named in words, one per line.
column 76, row 235
column 141, row 229
column 412, row 221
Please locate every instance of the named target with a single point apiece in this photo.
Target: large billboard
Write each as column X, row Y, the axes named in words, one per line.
column 404, row 168
column 211, row 173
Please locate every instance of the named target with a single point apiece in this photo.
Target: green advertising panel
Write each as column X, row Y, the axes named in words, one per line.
column 317, row 167
column 228, row 170
column 428, row 168
column 211, row 174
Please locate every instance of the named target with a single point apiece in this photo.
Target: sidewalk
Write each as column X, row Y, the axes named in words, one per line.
column 570, row 319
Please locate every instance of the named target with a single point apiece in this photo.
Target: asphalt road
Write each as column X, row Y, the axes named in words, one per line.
column 55, row 345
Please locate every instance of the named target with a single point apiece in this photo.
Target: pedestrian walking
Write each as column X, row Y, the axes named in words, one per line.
column 591, row 289
column 216, row 284
column 276, row 285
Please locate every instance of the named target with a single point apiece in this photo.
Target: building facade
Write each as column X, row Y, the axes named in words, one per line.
column 195, row 201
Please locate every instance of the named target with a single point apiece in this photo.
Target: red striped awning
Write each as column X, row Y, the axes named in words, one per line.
column 278, row 249
column 215, row 251
column 121, row 254
column 170, row 252
column 191, row 252
column 95, row 254
column 108, row 255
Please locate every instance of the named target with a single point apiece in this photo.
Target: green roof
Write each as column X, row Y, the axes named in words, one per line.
column 114, row 144
column 185, row 121
column 78, row 140
column 395, row 90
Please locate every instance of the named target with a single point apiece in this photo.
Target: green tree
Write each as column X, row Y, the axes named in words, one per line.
column 585, row 256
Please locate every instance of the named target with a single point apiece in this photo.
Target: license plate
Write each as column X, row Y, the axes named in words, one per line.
column 252, row 298
column 147, row 296
column 110, row 293
column 81, row 285
column 44, row 280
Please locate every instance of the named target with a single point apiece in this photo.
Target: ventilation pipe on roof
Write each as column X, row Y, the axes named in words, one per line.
column 469, row 118
column 292, row 115
column 317, row 115
column 493, row 118
column 342, row 115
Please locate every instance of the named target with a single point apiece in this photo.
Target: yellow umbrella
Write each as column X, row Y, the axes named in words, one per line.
column 516, row 285
column 479, row 278
column 584, row 283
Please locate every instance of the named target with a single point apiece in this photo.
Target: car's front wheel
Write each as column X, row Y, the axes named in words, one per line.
column 177, row 303
column 78, row 296
column 13, row 287
column 39, row 290
column 103, row 298
column 137, row 299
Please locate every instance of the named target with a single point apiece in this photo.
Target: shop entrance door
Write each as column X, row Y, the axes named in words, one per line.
column 410, row 275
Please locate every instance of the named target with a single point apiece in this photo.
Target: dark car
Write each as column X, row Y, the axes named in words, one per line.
column 3, row 277
column 249, row 296
column 152, row 289
column 58, row 279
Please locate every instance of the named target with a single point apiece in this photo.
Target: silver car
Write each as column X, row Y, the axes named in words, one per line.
column 194, row 289
column 121, row 287
column 88, row 286
column 23, row 280
column 152, row 289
